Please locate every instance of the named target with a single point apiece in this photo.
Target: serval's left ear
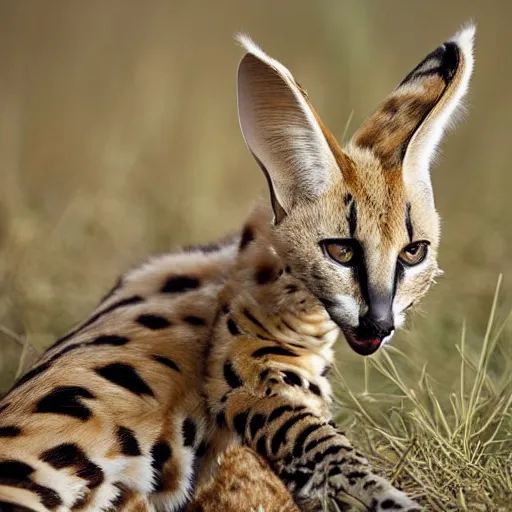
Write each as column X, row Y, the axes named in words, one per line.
column 406, row 129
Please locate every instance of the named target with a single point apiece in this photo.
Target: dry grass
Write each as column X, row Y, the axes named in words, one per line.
column 119, row 138
column 449, row 447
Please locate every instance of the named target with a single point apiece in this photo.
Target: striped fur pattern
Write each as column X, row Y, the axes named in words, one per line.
column 198, row 352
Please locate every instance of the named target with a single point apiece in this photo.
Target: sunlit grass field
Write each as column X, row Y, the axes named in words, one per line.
column 119, row 138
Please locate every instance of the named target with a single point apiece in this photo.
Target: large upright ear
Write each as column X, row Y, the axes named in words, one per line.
column 283, row 132
column 405, row 130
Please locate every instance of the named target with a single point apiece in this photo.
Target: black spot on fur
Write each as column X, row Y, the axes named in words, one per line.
column 180, row 284
column 232, row 327
column 279, row 438
column 10, row 431
column 153, row 322
column 279, row 411
column 314, row 389
column 160, row 454
column 347, row 198
column 247, row 238
column 354, row 476
column 264, row 373
column 257, row 422
column 189, row 431
column 11, row 507
column 202, row 449
column 292, row 379
column 313, row 444
column 253, row 319
column 128, row 442
column 66, row 400
column 231, row 376
column 265, row 275
column 390, row 504
column 38, row 370
column 299, row 477
column 166, row 361
column 70, row 455
column 275, row 351
column 291, row 288
column 15, row 470
column 240, row 423
column 225, row 309
column 369, row 483
column 125, row 376
column 334, row 471
column 130, row 301
column 14, row 473
column 195, row 320
column 221, row 419
column 110, row 339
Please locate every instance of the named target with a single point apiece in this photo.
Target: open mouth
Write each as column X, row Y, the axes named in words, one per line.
column 362, row 347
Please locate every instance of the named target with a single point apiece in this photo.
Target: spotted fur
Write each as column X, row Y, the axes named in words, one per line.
column 229, row 344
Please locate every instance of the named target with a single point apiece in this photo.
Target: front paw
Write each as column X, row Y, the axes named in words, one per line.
column 394, row 500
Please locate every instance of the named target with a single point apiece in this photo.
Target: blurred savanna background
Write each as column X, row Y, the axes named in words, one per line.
column 119, row 138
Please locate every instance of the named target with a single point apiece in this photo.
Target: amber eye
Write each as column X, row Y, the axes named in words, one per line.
column 413, row 254
column 340, row 252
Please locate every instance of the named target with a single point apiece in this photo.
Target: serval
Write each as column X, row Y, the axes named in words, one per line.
column 212, row 347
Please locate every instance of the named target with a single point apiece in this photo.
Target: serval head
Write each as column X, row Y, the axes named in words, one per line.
column 357, row 224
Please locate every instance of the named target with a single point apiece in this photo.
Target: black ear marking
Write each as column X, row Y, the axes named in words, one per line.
column 447, row 59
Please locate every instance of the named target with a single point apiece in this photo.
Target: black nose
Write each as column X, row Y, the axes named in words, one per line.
column 378, row 322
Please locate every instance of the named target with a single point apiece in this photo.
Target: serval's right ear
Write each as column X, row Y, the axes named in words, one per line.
column 404, row 132
column 283, row 132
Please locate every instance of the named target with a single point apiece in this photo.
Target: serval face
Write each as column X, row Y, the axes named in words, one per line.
column 357, row 225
